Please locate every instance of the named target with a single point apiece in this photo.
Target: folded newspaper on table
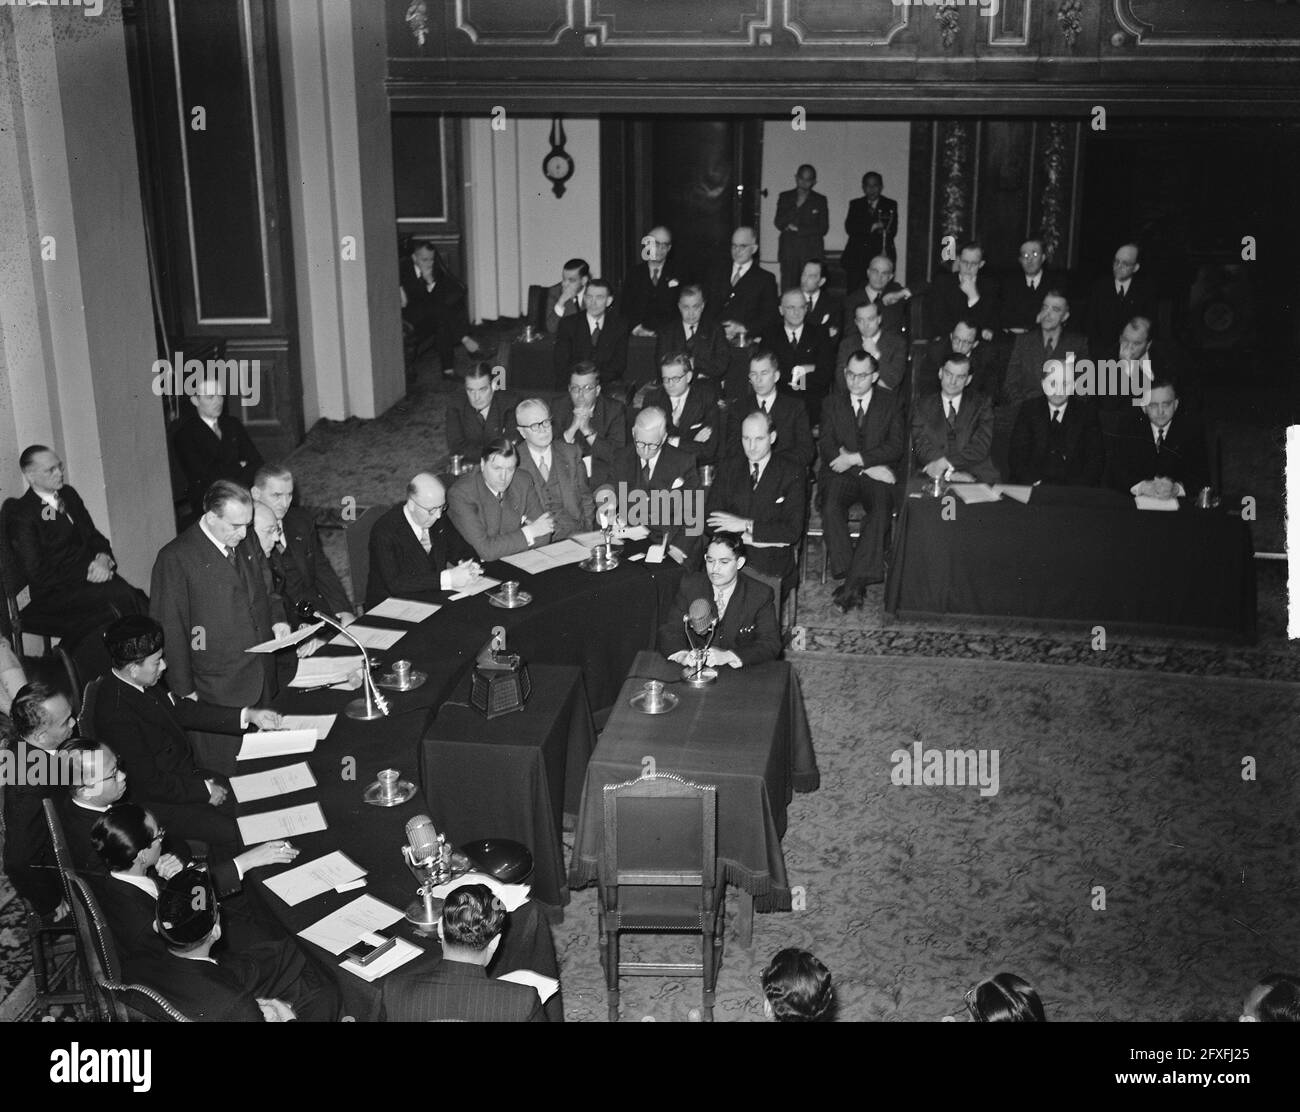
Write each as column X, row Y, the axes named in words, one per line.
column 325, row 671
column 512, row 895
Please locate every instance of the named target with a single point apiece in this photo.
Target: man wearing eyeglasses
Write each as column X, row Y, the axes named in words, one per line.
column 651, row 464
column 650, row 287
column 789, row 419
column 496, row 514
column 415, row 549
column 594, row 423
column 952, row 431
column 556, row 470
column 694, row 420
column 699, row 337
column 861, row 450
column 745, row 294
column 1022, row 297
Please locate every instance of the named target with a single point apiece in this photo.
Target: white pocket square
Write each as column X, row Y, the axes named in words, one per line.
column 779, row 500
column 673, row 282
column 678, row 482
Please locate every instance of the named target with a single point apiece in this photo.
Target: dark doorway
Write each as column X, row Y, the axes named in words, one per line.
column 697, row 176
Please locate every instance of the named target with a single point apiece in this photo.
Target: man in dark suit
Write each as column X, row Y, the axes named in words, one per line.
column 555, row 469
column 147, row 724
column 67, row 562
column 871, row 224
column 966, row 295
column 952, row 431
column 40, row 722
column 694, row 419
column 434, row 307
column 882, row 290
column 825, row 310
column 595, row 424
column 888, row 349
column 803, row 219
column 804, row 352
column 495, row 514
column 1056, row 438
column 744, row 297
column 458, row 987
column 596, row 336
column 477, row 414
column 745, row 610
column 861, row 449
column 210, row 445
column 209, row 596
column 964, row 341
column 789, row 417
column 666, row 475
column 648, row 299
column 414, row 548
column 1047, row 344
column 1142, row 361
column 1158, row 456
column 1022, row 298
column 700, row 338
column 1115, row 300
column 565, row 298
column 762, row 497
column 298, row 554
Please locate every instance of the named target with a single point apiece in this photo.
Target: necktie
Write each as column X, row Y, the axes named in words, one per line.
column 951, row 417
column 1056, row 416
column 1033, row 283
column 595, row 336
column 545, row 468
column 793, row 341
column 735, row 275
column 654, row 276
column 1121, row 288
column 858, row 411
column 645, row 475
column 764, row 405
column 61, row 507
column 753, row 475
column 719, row 603
column 482, row 414
column 1160, row 440
column 1051, row 346
column 426, row 542
column 690, row 331
column 230, row 552
column 279, row 546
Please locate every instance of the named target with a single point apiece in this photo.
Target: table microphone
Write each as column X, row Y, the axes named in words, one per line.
column 373, row 705
column 700, row 622
column 700, row 615
column 422, row 840
column 423, row 853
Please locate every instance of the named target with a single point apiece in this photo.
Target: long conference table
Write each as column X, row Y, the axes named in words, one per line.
column 1075, row 554
column 577, row 620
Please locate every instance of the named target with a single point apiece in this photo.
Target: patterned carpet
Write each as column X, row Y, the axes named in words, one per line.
column 1119, row 768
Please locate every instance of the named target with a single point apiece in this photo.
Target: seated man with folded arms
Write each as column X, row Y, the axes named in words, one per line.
column 146, row 725
column 952, row 431
column 1156, row 455
column 555, row 468
column 762, row 497
column 594, row 423
column 1057, row 438
column 458, row 987
column 862, row 448
column 414, row 548
column 744, row 608
column 496, row 514
column 276, row 984
column 40, row 723
column 477, row 414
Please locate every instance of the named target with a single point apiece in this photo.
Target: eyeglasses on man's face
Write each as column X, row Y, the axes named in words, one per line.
column 537, row 426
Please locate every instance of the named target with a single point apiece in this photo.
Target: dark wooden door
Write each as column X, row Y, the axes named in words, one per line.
column 698, row 176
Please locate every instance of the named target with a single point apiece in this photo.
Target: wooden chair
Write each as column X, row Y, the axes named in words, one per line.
column 358, row 536
column 17, row 619
column 87, row 662
column 659, row 875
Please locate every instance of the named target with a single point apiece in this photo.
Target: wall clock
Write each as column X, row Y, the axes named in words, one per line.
column 558, row 165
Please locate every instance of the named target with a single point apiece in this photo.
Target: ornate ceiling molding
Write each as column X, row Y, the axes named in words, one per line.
column 1147, row 34
column 754, row 27
column 480, row 31
column 890, row 18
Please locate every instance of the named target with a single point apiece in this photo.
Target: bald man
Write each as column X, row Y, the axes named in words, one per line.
column 415, row 549
column 649, row 295
column 649, row 464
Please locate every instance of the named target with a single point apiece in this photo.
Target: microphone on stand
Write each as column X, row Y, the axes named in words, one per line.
column 373, row 705
column 424, row 853
column 699, row 621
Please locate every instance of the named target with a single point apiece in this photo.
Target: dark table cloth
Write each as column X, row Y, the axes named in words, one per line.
column 747, row 735
column 514, row 776
column 1075, row 554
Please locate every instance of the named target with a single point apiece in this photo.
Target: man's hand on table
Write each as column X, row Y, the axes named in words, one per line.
column 722, row 658
column 264, row 718
column 268, row 853
column 464, row 573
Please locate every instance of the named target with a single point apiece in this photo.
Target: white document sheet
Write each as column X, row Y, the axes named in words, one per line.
column 546, row 986
column 531, row 562
column 276, row 743
column 1146, row 502
column 550, row 556
column 321, row 723
column 288, row 822
column 477, row 587
column 403, row 610
column 395, row 958
column 273, row 645
column 322, row 671
column 330, row 873
column 275, row 781
column 371, row 637
column 589, row 540
column 512, row 895
column 972, row 493
column 1019, row 493
column 350, row 923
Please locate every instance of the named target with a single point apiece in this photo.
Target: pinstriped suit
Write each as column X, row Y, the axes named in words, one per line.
column 459, row 990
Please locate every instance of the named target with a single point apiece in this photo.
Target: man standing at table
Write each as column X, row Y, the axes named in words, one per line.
column 458, row 987
column 209, row 596
column 743, row 608
column 861, row 450
column 803, row 219
column 477, row 414
column 298, row 554
column 595, row 424
column 414, row 548
column 654, row 467
column 555, row 469
column 1158, row 456
column 495, row 514
column 952, row 431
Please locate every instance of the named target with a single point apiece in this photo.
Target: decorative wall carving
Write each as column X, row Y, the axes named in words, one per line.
column 679, row 22
column 1227, row 26
column 1056, row 167
column 956, row 177
column 509, row 23
column 862, row 23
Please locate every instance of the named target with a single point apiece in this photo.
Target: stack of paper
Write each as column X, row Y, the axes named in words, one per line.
column 275, row 645
column 512, row 895
column 550, row 556
column 398, row 956
column 1147, row 502
column 321, row 723
column 276, row 743
column 275, row 781
column 323, row 671
column 289, row 822
column 334, row 872
column 350, row 923
column 371, row 637
column 403, row 610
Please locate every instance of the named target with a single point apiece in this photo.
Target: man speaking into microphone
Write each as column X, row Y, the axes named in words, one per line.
column 746, row 632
